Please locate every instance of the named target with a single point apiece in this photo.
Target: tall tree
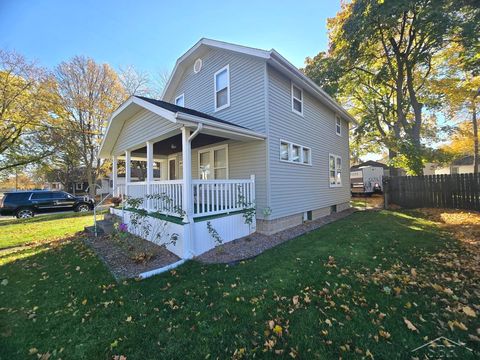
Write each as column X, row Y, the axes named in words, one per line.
column 89, row 93
column 385, row 51
column 26, row 100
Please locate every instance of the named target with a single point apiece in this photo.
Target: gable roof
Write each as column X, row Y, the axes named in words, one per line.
column 175, row 114
column 272, row 57
column 180, row 109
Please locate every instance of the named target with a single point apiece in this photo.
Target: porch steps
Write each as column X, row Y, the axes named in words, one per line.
column 103, row 227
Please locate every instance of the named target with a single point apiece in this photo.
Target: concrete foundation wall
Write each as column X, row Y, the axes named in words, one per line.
column 270, row 227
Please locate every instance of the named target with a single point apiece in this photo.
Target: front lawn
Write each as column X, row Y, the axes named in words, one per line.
column 375, row 285
column 44, row 228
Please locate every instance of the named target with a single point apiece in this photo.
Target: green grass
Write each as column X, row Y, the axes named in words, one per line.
column 43, row 228
column 59, row 299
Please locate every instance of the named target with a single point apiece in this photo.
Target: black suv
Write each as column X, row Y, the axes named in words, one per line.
column 25, row 204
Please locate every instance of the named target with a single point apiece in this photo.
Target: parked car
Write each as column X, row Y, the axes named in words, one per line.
column 25, row 204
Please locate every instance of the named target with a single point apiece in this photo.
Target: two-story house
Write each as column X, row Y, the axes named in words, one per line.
column 237, row 127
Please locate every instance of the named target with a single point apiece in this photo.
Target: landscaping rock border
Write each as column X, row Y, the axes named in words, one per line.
column 255, row 244
column 121, row 265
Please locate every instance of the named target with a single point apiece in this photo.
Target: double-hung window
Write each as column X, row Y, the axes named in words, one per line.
column 338, row 125
column 222, row 88
column 213, row 163
column 180, row 100
column 335, row 170
column 297, row 100
column 295, row 153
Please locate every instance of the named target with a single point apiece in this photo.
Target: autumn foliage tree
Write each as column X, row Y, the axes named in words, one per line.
column 88, row 93
column 27, row 96
column 379, row 65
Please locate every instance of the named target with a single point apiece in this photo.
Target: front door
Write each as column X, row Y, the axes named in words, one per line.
column 171, row 169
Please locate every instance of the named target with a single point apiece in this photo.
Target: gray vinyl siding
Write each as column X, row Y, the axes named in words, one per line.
column 247, row 96
column 296, row 188
column 244, row 159
column 247, row 108
column 140, row 128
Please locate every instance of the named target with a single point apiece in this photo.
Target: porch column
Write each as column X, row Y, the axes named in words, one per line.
column 187, row 195
column 149, row 171
column 114, row 176
column 128, row 177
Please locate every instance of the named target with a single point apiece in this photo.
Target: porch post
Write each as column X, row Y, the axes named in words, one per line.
column 149, row 171
column 127, row 171
column 114, row 175
column 187, row 192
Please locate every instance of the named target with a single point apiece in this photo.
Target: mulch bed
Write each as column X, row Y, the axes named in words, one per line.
column 253, row 245
column 127, row 261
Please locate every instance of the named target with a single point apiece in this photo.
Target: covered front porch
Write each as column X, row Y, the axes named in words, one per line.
column 184, row 170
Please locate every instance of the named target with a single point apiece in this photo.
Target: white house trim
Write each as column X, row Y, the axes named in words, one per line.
column 211, row 150
column 215, row 91
column 210, row 126
column 181, row 96
column 335, row 169
column 292, row 86
column 271, row 56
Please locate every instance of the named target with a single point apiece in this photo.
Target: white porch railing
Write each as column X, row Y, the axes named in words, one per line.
column 210, row 197
column 173, row 191
column 220, row 196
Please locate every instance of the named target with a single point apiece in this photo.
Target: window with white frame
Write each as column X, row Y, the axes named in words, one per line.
column 297, row 99
column 335, row 170
column 180, row 100
column 338, row 125
column 213, row 163
column 295, row 153
column 78, row 186
column 222, row 88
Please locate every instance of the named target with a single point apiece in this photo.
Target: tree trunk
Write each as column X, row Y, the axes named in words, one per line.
column 475, row 138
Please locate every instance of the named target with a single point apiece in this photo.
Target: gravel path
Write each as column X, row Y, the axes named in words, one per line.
column 253, row 245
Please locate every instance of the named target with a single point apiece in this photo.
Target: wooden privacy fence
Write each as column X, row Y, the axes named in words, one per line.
column 459, row 191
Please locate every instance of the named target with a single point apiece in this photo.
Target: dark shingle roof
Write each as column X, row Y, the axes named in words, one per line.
column 466, row 160
column 369, row 163
column 175, row 108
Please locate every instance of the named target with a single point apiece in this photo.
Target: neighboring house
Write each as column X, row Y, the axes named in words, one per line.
column 462, row 165
column 385, row 167
column 236, row 127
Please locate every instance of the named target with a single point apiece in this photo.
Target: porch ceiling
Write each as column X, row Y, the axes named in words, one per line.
column 174, row 145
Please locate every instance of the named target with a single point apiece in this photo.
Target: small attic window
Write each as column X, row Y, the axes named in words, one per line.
column 197, row 66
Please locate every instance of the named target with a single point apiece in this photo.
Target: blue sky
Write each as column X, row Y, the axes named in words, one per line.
column 151, row 35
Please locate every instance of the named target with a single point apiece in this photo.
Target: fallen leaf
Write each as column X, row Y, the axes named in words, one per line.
column 32, row 351
column 469, row 311
column 410, row 325
column 129, row 319
column 4, row 282
column 84, row 302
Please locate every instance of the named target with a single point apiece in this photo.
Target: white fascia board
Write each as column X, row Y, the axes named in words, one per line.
column 164, row 113
column 191, row 120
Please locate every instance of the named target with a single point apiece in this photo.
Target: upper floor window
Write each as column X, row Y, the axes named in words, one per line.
column 335, row 170
column 297, row 99
column 222, row 88
column 338, row 125
column 180, row 100
column 295, row 153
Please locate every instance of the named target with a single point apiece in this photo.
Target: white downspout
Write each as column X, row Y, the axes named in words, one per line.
column 187, row 192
